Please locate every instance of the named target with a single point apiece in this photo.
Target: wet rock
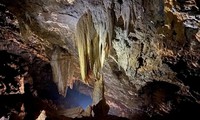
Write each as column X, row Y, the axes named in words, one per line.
column 154, row 46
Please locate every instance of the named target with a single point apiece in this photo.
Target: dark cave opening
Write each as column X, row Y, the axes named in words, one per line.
column 165, row 102
column 74, row 98
column 39, row 90
column 120, row 1
column 79, row 96
column 186, row 74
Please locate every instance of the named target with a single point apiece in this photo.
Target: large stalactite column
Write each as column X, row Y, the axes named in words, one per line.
column 89, row 54
column 93, row 42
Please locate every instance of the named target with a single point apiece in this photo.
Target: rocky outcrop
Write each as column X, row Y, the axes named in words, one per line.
column 153, row 47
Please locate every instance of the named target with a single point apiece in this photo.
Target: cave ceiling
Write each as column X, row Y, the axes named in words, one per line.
column 147, row 51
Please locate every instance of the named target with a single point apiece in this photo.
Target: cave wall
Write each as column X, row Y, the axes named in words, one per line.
column 153, row 41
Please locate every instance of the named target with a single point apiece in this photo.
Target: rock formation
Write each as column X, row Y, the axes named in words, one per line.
column 146, row 51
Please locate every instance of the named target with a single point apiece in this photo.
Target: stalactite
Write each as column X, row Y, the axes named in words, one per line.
column 57, row 72
column 86, row 36
column 94, row 33
column 63, row 70
column 127, row 12
column 93, row 42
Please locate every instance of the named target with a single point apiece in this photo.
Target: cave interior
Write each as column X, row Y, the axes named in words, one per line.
column 99, row 60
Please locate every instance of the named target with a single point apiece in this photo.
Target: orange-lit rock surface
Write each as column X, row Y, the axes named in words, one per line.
column 152, row 69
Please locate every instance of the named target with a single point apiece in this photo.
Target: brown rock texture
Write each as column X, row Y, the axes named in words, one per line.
column 152, row 70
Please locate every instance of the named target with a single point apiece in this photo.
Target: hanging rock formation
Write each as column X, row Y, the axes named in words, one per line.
column 147, row 50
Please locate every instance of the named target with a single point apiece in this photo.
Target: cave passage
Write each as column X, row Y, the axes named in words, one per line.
column 76, row 99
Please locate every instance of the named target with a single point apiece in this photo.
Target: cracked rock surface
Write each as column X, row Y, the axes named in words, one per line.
column 152, row 70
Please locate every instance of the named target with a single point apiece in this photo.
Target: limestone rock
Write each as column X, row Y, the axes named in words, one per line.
column 151, row 69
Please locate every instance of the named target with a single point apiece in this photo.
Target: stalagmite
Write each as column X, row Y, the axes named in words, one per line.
column 42, row 115
column 98, row 92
